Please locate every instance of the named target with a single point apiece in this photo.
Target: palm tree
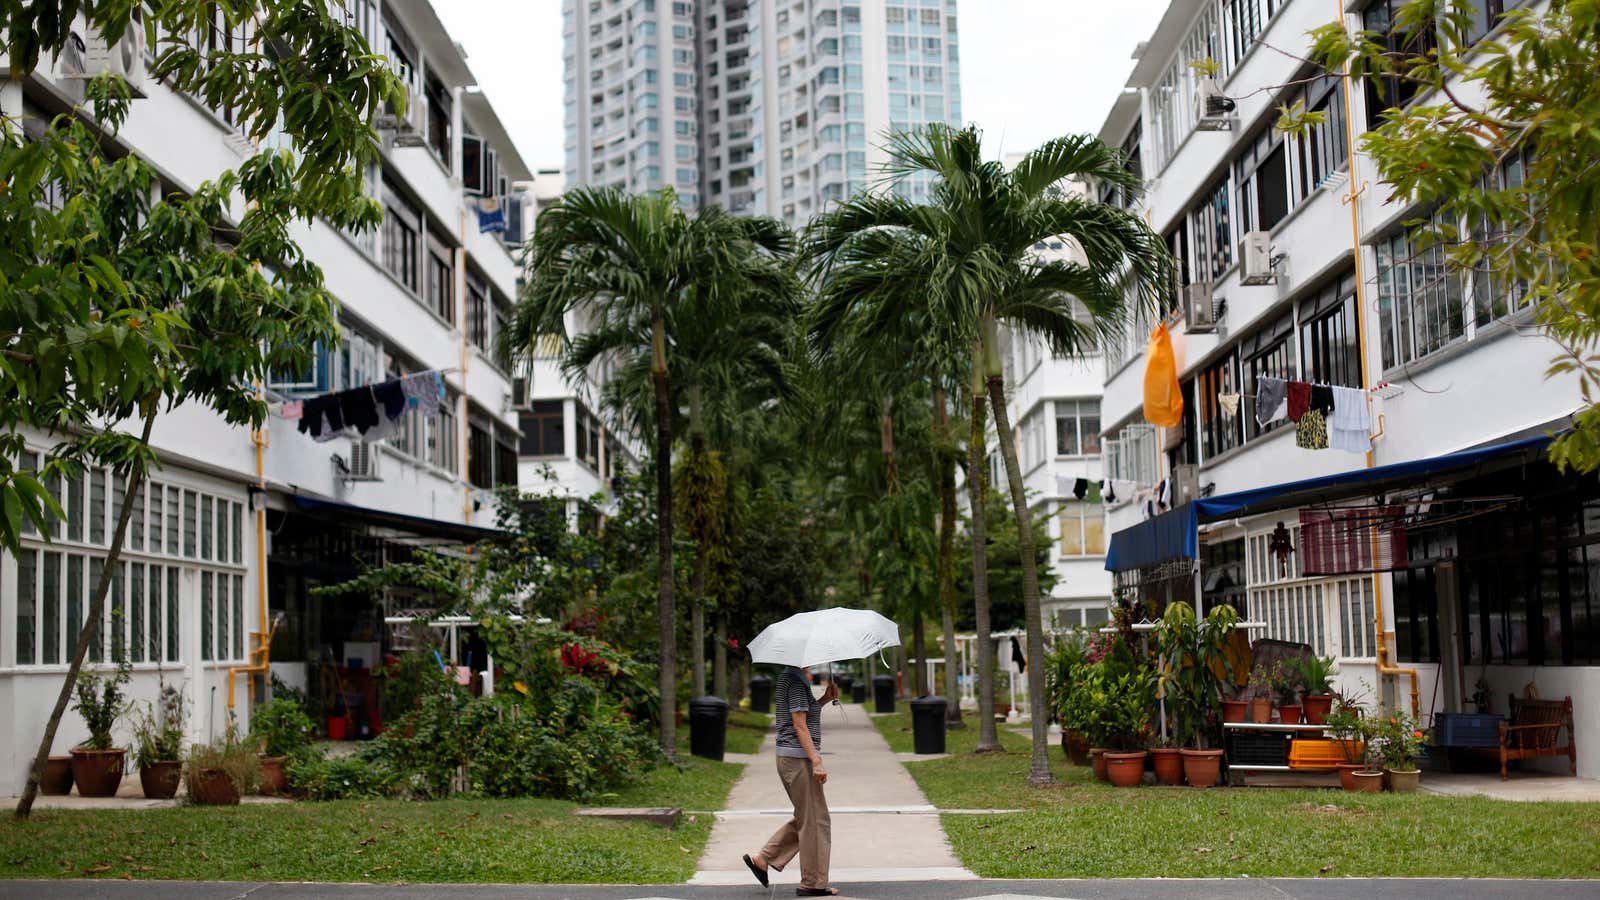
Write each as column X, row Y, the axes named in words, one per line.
column 962, row 264
column 629, row 263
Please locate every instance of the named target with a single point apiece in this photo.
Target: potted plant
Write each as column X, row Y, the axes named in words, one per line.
column 1347, row 724
column 1288, row 685
column 1263, row 687
column 1400, row 745
column 96, row 765
column 1315, row 674
column 280, row 728
column 1194, row 667
column 1168, row 757
column 1235, row 707
column 158, row 745
column 1063, row 671
column 1124, row 704
column 57, row 778
column 1079, row 716
column 219, row 772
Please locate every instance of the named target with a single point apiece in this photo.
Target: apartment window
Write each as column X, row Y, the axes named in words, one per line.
column 587, row 433
column 443, row 450
column 894, row 15
column 1077, row 427
column 402, row 233
column 1267, row 351
column 477, row 314
column 439, row 117
column 480, row 453
column 1262, row 173
column 1323, row 149
column 1389, row 91
column 1219, row 433
column 1083, row 529
column 543, row 429
column 441, row 284
column 1494, row 295
column 1131, row 455
column 1420, row 294
column 1329, row 347
column 1213, row 233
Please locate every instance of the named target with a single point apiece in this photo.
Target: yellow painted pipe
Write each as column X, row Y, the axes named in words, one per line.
column 262, row 652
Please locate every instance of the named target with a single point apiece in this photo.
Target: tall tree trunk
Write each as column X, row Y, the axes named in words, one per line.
column 946, row 481
column 920, row 648
column 891, row 467
column 697, row 580
column 719, row 658
column 91, row 628
column 1039, row 768
column 666, row 613
column 977, row 486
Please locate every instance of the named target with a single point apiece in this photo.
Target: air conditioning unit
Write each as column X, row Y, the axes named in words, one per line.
column 412, row 131
column 1255, row 259
column 364, row 458
column 1200, row 312
column 520, row 392
column 1185, row 484
column 1213, row 110
column 124, row 59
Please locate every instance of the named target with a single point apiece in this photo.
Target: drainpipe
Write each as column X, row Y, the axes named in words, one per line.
column 261, row 654
column 1350, row 199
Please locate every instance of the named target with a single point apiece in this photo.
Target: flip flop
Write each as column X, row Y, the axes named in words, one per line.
column 757, row 871
column 816, row 892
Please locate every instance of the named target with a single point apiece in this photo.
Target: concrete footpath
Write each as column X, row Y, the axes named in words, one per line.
column 884, row 829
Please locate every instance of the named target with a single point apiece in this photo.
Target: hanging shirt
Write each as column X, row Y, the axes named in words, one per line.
column 793, row 695
column 359, row 408
column 1271, row 396
column 1080, row 488
column 1322, row 399
column 1299, row 399
column 1311, row 432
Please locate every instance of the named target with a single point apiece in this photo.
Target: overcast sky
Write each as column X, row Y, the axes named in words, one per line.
column 1030, row 69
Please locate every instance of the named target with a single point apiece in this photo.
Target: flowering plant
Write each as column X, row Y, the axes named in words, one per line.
column 1400, row 742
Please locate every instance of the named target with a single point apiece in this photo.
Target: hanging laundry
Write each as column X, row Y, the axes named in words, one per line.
column 359, row 408
column 1299, row 399
column 1017, row 658
column 1164, row 494
column 322, row 418
column 391, row 398
column 1322, row 399
column 1163, row 398
column 1229, row 404
column 292, row 411
column 1271, row 397
column 491, row 215
column 424, row 392
column 1094, row 495
column 1108, row 491
column 1080, row 488
column 1311, row 432
column 1350, row 426
column 1063, row 485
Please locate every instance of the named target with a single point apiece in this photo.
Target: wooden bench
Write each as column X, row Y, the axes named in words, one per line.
column 1534, row 729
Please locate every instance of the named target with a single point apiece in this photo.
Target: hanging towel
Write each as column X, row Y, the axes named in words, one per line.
column 1229, row 404
column 424, row 391
column 1080, row 488
column 1094, row 495
column 1063, row 485
column 321, row 418
column 1163, row 398
column 1299, row 399
column 1322, row 399
column 1271, row 394
column 1311, row 432
column 1350, row 426
column 359, row 408
column 292, row 411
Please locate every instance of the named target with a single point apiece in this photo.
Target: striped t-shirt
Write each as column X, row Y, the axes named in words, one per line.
column 794, row 695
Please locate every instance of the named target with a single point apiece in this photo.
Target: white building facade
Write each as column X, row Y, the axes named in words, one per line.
column 237, row 527
column 763, row 107
column 1339, row 292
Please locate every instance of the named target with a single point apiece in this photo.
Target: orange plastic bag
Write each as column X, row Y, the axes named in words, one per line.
column 1163, row 399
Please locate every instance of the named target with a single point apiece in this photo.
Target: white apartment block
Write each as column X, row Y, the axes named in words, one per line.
column 234, row 532
column 1296, row 264
column 763, row 108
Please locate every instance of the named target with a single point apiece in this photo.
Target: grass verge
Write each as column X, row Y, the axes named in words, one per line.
column 460, row 840
column 1086, row 829
column 896, row 729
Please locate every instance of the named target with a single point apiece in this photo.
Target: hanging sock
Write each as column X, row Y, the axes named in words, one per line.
column 1229, row 404
column 1299, row 399
column 1271, row 397
column 1311, row 432
column 1080, row 488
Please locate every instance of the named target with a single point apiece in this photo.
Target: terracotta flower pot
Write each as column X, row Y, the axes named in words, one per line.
column 1368, row 782
column 1261, row 710
column 1347, row 775
column 1097, row 758
column 57, row 776
column 1201, row 767
column 1402, row 782
column 1289, row 713
column 274, row 780
column 1169, row 765
column 98, row 773
column 214, row 787
column 1316, row 707
column 1076, row 747
column 160, row 779
column 1125, row 769
column 1234, row 710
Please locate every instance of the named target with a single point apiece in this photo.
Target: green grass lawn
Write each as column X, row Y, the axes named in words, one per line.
column 381, row 841
column 1085, row 829
column 896, row 729
column 746, row 731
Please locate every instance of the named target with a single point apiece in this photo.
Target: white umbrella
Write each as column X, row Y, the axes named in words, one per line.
column 827, row 635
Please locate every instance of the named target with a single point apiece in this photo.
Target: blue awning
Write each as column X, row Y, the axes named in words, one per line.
column 1171, row 535
column 1166, row 537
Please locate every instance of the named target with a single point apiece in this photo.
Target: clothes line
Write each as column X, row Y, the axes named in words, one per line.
column 375, row 411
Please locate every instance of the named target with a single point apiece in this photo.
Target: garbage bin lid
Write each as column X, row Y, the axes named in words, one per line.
column 708, row 700
column 930, row 700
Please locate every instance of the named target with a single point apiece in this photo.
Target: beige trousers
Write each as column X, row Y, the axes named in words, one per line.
column 809, row 833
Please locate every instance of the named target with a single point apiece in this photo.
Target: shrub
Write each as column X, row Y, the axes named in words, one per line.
column 280, row 727
column 341, row 778
column 236, row 759
column 403, row 684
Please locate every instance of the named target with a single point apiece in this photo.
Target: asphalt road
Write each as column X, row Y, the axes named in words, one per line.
column 1142, row 889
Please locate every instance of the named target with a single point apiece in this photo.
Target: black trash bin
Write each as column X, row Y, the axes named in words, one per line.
column 845, row 682
column 927, row 724
column 883, row 693
column 761, row 694
column 708, row 727
column 858, row 692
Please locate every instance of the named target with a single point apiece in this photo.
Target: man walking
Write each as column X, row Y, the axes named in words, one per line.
column 799, row 749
